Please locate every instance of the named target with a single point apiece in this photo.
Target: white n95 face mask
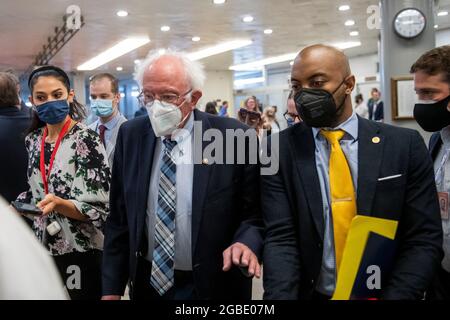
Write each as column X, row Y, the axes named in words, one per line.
column 165, row 119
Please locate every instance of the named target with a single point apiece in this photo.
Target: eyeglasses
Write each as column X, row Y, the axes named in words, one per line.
column 147, row 99
column 252, row 115
column 290, row 116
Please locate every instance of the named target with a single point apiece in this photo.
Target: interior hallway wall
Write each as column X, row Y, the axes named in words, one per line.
column 218, row 85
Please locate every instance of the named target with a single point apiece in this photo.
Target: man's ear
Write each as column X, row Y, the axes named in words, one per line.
column 117, row 97
column 350, row 83
column 195, row 97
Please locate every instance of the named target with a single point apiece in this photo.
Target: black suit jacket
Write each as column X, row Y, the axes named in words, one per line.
column 226, row 209
column 379, row 113
column 13, row 163
column 141, row 112
column 293, row 213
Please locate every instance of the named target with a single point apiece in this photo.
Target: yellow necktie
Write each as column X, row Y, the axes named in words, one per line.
column 343, row 202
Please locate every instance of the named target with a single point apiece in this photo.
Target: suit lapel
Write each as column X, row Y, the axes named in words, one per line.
column 201, row 177
column 146, row 148
column 435, row 145
column 303, row 146
column 370, row 155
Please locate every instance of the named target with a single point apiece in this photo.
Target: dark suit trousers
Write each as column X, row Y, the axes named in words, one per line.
column 183, row 289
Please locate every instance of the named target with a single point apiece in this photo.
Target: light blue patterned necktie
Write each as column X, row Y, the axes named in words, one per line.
column 162, row 277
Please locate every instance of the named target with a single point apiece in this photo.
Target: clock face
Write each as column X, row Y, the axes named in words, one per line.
column 409, row 23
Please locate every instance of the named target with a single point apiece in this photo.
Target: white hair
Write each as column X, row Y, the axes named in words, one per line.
column 194, row 70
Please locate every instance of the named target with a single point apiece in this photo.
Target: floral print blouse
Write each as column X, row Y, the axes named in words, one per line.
column 80, row 174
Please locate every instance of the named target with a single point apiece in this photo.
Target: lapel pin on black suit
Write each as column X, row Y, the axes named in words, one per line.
column 376, row 140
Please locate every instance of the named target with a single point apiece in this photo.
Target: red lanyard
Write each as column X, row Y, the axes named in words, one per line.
column 45, row 176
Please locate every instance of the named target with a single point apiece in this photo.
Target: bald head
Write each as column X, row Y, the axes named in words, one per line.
column 328, row 56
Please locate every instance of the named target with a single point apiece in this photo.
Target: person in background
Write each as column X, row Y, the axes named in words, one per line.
column 68, row 178
column 269, row 118
column 13, row 123
column 432, row 84
column 253, row 119
column 291, row 114
column 250, row 114
column 105, row 99
column 376, row 106
column 23, row 107
column 277, row 124
column 26, row 270
column 223, row 112
column 360, row 108
column 211, row 108
column 251, row 104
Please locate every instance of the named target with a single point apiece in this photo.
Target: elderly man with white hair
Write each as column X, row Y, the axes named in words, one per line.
column 181, row 229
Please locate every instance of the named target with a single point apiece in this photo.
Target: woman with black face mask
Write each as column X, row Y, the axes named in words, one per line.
column 68, row 177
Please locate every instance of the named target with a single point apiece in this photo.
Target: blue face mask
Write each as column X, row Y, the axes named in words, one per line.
column 53, row 112
column 102, row 108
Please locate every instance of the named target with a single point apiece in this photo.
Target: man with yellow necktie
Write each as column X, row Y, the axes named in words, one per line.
column 334, row 167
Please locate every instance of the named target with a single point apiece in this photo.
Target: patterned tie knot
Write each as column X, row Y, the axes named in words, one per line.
column 333, row 137
column 169, row 144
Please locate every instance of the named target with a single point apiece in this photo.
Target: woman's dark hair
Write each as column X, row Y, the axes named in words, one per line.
column 77, row 111
column 359, row 98
column 211, row 108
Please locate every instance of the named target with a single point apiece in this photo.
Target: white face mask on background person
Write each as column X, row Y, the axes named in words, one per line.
column 165, row 119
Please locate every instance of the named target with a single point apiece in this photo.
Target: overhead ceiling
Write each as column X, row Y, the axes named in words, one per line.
column 25, row 27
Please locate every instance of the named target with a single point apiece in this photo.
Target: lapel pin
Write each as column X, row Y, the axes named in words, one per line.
column 376, row 140
column 205, row 161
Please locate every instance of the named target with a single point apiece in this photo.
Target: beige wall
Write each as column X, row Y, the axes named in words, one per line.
column 218, row 85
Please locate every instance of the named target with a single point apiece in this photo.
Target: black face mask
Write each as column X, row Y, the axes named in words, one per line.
column 433, row 117
column 317, row 107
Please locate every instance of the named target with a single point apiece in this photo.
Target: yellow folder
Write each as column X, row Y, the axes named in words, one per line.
column 355, row 245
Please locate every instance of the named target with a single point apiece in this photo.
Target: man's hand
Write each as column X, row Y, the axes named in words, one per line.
column 240, row 255
column 111, row 298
